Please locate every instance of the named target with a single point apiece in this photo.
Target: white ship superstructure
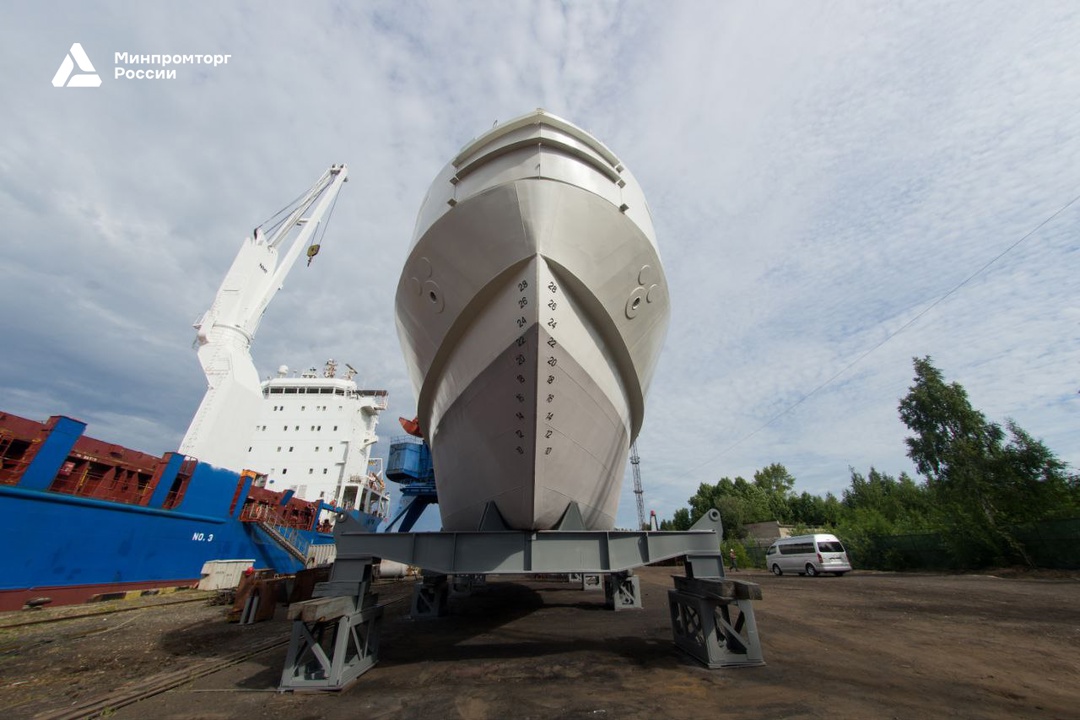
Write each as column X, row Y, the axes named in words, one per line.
column 531, row 311
column 315, row 436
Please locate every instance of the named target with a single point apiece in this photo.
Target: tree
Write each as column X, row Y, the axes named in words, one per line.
column 980, row 485
column 902, row 503
column 740, row 502
column 681, row 521
column 775, row 479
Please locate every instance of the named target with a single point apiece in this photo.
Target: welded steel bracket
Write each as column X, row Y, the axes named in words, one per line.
column 430, row 597
column 466, row 584
column 622, row 591
column 713, row 618
column 335, row 635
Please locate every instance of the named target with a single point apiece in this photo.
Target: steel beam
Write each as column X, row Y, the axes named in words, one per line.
column 514, row 552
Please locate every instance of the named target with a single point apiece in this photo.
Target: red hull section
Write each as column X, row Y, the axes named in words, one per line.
column 74, row 594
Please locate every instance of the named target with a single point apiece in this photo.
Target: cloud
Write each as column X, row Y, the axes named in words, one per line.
column 818, row 176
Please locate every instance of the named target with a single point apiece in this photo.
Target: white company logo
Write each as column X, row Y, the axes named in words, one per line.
column 87, row 77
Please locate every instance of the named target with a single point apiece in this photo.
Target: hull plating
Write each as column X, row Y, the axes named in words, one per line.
column 531, row 313
column 89, row 517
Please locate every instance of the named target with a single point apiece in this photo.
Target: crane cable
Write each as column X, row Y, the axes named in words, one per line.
column 285, row 210
column 316, row 244
column 888, row 337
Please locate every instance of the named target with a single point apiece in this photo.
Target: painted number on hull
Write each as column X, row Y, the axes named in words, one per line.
column 202, row 537
column 551, row 306
column 520, row 358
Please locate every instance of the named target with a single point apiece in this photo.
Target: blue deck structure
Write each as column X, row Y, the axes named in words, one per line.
column 410, row 465
column 85, row 517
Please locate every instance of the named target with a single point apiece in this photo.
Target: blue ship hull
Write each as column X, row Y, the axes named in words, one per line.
column 70, row 547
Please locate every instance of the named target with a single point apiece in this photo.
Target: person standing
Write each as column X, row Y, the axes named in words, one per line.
column 731, row 557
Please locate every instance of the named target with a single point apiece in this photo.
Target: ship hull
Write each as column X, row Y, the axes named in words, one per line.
column 70, row 542
column 73, row 549
column 532, row 314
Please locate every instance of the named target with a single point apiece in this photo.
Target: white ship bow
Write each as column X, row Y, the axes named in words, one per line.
column 531, row 311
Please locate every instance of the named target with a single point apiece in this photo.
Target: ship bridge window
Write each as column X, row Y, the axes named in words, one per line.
column 277, row 391
column 290, row 391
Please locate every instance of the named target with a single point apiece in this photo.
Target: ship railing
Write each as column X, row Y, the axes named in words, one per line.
column 269, row 514
column 289, row 538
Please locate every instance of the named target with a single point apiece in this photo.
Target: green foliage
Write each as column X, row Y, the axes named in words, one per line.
column 889, row 505
column 980, row 485
column 987, row 489
column 741, row 502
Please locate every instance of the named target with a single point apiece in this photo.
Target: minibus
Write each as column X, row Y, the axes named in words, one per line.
column 808, row 555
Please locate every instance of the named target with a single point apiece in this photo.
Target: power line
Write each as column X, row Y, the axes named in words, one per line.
column 887, row 338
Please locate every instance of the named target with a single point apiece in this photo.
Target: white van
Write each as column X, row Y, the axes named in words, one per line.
column 808, row 555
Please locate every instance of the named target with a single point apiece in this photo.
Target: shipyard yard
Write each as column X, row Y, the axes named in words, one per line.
column 867, row 645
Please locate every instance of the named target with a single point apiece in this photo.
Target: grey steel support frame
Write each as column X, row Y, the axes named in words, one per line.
column 622, row 591
column 430, row 597
column 335, row 635
column 701, row 611
column 495, row 550
column 712, row 619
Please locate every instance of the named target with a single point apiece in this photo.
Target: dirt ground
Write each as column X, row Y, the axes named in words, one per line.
column 867, row 645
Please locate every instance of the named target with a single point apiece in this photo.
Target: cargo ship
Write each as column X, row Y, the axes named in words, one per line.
column 531, row 311
column 89, row 518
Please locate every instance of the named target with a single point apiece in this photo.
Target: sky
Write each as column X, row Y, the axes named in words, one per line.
column 837, row 188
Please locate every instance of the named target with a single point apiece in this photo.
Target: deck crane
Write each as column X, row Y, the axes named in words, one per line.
column 220, row 431
column 639, row 492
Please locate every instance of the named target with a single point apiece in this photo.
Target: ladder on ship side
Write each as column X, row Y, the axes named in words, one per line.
column 288, row 538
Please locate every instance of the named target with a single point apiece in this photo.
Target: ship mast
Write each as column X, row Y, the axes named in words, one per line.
column 639, row 492
column 223, row 424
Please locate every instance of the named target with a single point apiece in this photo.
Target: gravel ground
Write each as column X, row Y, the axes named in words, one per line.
column 867, row 645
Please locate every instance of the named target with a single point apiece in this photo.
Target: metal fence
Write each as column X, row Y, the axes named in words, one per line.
column 1052, row 544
